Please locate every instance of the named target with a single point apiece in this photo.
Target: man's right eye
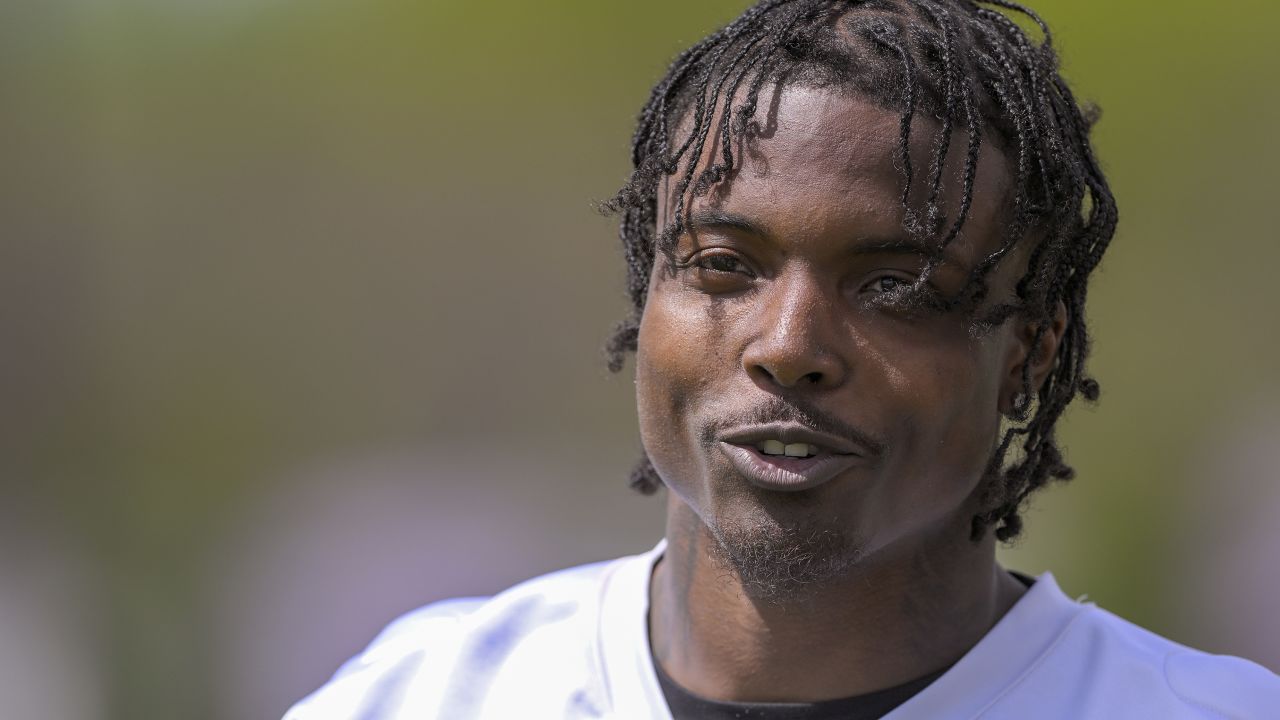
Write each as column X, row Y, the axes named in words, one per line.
column 717, row 270
column 722, row 263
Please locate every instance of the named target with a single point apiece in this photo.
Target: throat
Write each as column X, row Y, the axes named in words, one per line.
column 882, row 623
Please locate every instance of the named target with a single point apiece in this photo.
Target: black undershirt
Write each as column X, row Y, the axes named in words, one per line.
column 870, row 706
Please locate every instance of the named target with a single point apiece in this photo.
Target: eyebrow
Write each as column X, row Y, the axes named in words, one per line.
column 714, row 219
column 720, row 219
column 894, row 246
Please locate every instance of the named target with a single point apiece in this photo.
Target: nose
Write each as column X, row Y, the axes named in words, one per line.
column 794, row 344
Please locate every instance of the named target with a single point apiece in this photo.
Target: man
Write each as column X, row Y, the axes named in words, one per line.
column 859, row 237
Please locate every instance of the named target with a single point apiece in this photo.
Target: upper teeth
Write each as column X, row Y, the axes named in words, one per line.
column 777, row 447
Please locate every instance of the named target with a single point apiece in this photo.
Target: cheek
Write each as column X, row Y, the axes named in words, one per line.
column 951, row 424
column 968, row 416
column 676, row 361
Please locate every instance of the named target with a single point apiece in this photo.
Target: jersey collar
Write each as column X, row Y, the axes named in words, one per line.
column 1008, row 652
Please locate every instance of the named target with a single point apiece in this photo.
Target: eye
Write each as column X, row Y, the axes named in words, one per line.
column 719, row 263
column 886, row 284
column 717, row 270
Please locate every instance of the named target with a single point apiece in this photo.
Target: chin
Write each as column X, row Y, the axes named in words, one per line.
column 782, row 560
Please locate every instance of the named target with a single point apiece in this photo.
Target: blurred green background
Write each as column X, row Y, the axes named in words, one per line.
column 302, row 306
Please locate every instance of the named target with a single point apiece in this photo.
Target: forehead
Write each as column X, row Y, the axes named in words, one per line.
column 821, row 158
column 813, row 131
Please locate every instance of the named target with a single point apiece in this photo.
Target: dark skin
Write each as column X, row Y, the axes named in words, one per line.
column 771, row 303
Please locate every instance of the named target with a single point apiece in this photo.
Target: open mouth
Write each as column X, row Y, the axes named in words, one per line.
column 774, row 465
column 777, row 448
column 792, row 456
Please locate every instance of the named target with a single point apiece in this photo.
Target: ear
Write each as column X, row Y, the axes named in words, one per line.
column 1037, row 354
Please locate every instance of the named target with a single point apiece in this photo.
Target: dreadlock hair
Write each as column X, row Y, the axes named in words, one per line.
column 970, row 66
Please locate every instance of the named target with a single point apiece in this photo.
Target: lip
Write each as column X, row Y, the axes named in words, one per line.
column 796, row 433
column 787, row 474
column 791, row 474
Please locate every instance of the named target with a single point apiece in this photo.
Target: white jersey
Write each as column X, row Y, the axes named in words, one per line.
column 574, row 644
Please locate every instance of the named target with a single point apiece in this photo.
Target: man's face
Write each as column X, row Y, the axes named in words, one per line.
column 806, row 427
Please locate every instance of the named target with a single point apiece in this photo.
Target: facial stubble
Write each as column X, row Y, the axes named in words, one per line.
column 781, row 550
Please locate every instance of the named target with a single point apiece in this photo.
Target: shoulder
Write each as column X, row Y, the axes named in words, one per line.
column 1203, row 684
column 1102, row 665
column 446, row 653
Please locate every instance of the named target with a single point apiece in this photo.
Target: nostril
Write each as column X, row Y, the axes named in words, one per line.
column 762, row 373
column 776, row 376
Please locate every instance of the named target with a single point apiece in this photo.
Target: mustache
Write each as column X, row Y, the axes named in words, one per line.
column 795, row 410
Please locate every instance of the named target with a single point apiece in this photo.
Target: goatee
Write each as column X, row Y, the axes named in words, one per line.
column 783, row 564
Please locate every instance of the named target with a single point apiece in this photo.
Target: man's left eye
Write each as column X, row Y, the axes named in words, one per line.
column 886, row 284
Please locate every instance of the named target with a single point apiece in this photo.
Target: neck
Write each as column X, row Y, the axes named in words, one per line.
column 904, row 611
